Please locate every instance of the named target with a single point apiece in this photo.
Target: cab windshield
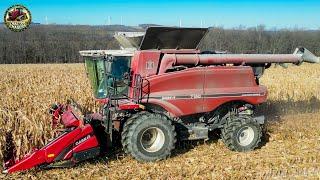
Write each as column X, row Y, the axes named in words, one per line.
column 108, row 77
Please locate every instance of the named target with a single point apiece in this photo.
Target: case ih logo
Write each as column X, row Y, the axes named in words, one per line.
column 82, row 140
column 17, row 18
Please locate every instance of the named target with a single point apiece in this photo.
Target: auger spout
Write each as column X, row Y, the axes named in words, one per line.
column 306, row 55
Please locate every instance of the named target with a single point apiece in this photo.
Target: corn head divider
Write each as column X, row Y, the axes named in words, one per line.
column 159, row 88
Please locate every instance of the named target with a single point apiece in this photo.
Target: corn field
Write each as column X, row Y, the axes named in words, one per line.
column 27, row 91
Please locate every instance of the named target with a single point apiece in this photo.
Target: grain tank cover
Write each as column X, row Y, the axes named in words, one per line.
column 172, row 38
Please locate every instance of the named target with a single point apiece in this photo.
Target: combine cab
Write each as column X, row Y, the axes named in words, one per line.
column 159, row 92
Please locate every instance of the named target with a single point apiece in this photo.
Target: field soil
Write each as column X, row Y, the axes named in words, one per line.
column 291, row 148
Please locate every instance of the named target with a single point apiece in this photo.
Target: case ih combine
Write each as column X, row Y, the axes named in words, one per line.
column 163, row 91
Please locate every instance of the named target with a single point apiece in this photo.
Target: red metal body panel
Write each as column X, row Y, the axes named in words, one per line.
column 144, row 63
column 234, row 83
column 88, row 144
column 70, row 120
column 28, row 162
column 198, row 89
column 55, row 147
column 175, row 87
column 128, row 106
column 89, row 140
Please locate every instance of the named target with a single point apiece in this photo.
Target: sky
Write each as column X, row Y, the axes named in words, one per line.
column 278, row 14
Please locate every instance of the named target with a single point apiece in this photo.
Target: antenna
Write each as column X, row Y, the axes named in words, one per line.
column 180, row 23
column 201, row 23
column 121, row 21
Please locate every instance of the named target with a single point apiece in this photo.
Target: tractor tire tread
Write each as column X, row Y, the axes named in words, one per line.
column 130, row 127
column 126, row 129
column 231, row 126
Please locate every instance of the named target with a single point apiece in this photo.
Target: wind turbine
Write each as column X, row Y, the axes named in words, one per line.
column 109, row 20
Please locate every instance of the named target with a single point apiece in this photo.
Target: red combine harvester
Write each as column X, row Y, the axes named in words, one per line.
column 164, row 90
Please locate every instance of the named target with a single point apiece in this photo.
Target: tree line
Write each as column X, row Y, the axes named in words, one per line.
column 54, row 43
column 61, row 43
column 260, row 40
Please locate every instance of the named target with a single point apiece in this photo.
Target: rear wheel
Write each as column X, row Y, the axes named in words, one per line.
column 241, row 133
column 149, row 137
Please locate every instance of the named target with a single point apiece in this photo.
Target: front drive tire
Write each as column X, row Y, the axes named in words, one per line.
column 149, row 137
column 241, row 133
